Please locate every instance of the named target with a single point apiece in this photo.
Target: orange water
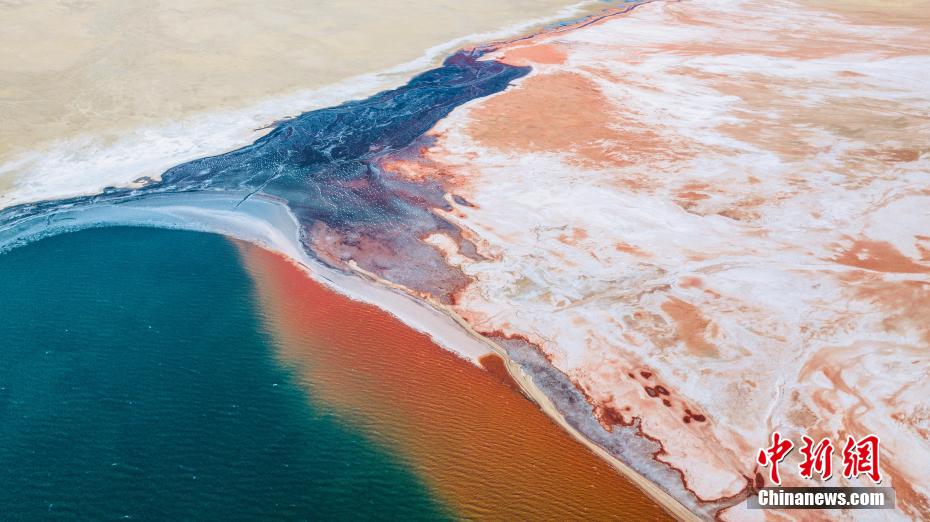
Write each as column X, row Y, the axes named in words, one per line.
column 485, row 450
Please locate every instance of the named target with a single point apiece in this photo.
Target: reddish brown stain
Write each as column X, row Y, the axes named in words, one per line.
column 542, row 115
column 495, row 366
column 880, row 256
column 851, row 74
column 907, row 498
column 415, row 169
column 577, row 235
column 906, row 304
column 691, row 326
column 690, row 282
column 691, row 196
column 630, row 249
column 922, row 244
column 543, row 54
column 610, row 417
column 892, row 155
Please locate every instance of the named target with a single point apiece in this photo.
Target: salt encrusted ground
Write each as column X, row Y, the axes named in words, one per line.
column 714, row 218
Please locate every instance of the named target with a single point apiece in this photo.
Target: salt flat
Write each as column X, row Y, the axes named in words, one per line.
column 713, row 218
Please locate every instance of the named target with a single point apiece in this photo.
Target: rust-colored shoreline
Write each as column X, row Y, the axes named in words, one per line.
column 497, row 364
column 534, row 393
column 257, row 257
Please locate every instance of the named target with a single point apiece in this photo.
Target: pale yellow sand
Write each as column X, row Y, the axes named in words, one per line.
column 81, row 78
column 913, row 13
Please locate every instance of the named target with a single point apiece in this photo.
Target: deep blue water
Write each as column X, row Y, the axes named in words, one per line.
column 136, row 382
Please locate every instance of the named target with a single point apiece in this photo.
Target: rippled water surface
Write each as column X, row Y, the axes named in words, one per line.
column 145, row 375
column 136, row 382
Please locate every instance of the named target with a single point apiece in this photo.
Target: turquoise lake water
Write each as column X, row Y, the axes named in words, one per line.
column 137, row 382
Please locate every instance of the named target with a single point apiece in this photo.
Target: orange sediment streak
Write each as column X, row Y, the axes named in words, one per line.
column 482, row 447
column 880, row 256
column 691, row 326
column 544, row 116
column 534, row 55
column 496, row 367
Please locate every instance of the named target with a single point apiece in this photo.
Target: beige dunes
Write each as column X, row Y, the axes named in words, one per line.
column 713, row 217
column 101, row 93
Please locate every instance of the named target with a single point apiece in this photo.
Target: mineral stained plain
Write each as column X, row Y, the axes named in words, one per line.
column 714, row 218
column 692, row 223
